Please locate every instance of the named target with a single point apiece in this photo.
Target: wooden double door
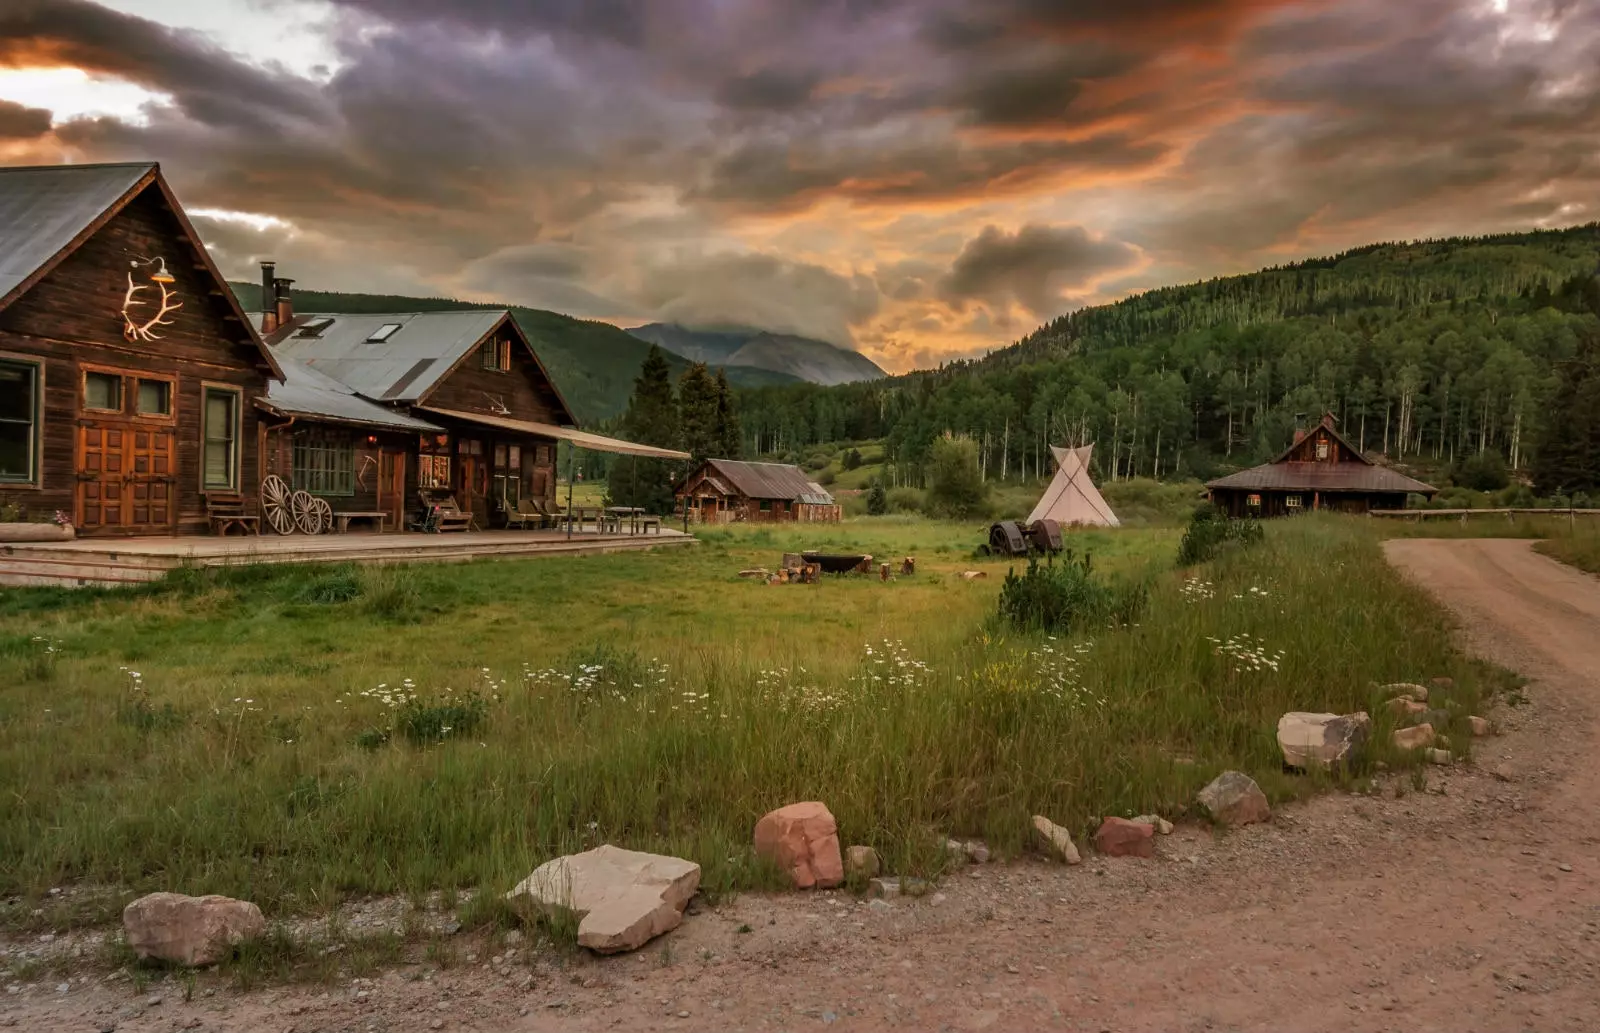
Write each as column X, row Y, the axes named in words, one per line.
column 127, row 478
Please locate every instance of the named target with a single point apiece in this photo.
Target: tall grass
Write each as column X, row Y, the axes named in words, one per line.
column 658, row 702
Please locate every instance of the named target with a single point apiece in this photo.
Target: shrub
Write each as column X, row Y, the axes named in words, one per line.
column 905, row 499
column 877, row 499
column 1061, row 597
column 826, row 478
column 955, row 485
column 1210, row 531
column 334, row 585
column 852, row 459
column 438, row 719
column 1485, row 471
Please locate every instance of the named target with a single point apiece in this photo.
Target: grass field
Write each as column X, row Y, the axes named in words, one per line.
column 294, row 735
column 1578, row 546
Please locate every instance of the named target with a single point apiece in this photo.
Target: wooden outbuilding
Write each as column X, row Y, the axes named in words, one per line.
column 725, row 491
column 127, row 369
column 1320, row 470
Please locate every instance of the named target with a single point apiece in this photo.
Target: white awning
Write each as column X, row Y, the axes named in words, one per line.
column 580, row 438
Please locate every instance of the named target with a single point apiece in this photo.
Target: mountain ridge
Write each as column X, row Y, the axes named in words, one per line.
column 804, row 358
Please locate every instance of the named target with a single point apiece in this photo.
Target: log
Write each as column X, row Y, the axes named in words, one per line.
column 36, row 532
column 908, row 566
column 883, row 571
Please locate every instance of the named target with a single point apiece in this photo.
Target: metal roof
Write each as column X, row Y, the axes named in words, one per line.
column 44, row 208
column 817, row 496
column 768, row 480
column 1289, row 476
column 401, row 368
column 306, row 392
column 580, row 438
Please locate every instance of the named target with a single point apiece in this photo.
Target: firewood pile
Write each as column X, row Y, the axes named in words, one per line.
column 798, row 569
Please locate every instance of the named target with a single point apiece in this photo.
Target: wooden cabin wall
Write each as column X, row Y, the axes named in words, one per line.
column 279, row 459
column 523, row 389
column 1305, row 450
column 72, row 318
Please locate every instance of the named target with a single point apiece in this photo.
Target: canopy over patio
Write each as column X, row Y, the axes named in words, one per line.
column 579, row 438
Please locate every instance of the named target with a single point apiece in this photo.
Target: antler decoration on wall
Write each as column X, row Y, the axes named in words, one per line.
column 134, row 330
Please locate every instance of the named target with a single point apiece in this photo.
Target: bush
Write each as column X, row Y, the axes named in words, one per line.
column 1485, row 471
column 852, row 459
column 1060, row 597
column 826, row 478
column 1210, row 531
column 905, row 499
column 955, row 485
column 449, row 715
column 877, row 499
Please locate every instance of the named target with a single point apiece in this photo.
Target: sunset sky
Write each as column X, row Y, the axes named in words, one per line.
column 918, row 179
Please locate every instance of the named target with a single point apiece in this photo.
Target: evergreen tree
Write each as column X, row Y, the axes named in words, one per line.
column 698, row 404
column 1568, row 459
column 652, row 419
column 877, row 499
column 730, row 435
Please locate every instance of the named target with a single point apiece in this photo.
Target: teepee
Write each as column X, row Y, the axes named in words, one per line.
column 1072, row 497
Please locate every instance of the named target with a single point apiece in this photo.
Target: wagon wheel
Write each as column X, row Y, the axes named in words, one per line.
column 306, row 515
column 275, row 504
column 324, row 515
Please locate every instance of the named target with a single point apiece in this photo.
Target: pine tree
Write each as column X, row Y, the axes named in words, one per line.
column 730, row 435
column 652, row 419
column 1568, row 458
column 877, row 498
column 698, row 404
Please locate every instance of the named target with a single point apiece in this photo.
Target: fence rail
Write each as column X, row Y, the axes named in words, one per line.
column 1463, row 514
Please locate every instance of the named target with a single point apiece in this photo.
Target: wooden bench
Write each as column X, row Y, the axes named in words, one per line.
column 342, row 520
column 647, row 522
column 440, row 513
column 225, row 513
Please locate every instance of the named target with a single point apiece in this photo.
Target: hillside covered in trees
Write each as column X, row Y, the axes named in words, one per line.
column 1433, row 350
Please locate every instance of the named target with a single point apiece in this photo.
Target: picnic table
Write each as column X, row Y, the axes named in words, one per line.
column 578, row 514
column 632, row 513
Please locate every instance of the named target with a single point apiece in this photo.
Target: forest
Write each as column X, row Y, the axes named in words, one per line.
column 1427, row 351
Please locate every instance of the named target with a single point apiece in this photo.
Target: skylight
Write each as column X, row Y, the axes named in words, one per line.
column 384, row 332
column 314, row 327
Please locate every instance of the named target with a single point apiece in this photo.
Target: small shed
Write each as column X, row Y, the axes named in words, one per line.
column 1321, row 470
column 724, row 491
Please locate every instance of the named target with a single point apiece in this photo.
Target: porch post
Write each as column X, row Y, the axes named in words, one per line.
column 572, row 462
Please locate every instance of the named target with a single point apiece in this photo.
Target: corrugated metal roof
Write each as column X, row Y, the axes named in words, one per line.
column 306, row 392
column 581, row 438
column 766, row 480
column 402, row 367
column 817, row 496
column 1322, row 477
column 42, row 208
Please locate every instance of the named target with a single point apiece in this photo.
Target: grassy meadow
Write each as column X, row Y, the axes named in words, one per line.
column 294, row 735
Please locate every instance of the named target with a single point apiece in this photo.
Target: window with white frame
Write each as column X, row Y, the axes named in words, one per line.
column 19, row 422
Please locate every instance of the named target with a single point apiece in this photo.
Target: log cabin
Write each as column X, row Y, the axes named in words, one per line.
column 728, row 491
column 127, row 369
column 472, row 410
column 1320, row 470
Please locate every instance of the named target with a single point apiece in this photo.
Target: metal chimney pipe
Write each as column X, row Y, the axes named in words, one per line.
column 269, row 296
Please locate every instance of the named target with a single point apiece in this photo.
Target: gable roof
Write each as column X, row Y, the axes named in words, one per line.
column 305, row 392
column 48, row 211
column 407, row 364
column 1328, row 424
column 767, row 480
column 1363, row 476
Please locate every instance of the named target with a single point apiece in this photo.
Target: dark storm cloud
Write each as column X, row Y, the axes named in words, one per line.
column 1032, row 266
column 19, row 122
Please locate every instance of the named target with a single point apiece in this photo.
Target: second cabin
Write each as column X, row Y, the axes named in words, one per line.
column 723, row 491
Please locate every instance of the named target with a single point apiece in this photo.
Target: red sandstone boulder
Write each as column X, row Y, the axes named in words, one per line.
column 803, row 840
column 1119, row 837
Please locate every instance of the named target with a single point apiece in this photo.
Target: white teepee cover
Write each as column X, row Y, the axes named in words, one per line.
column 1072, row 497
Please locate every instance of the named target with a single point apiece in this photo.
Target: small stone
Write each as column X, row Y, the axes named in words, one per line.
column 1322, row 740
column 1416, row 738
column 1233, row 798
column 955, row 850
column 879, row 905
column 887, row 887
column 1055, row 840
column 1480, row 726
column 1503, row 773
column 1119, row 837
column 1405, row 688
column 1156, row 821
column 861, row 862
column 1565, row 867
column 683, row 1014
column 1441, row 757
column 937, row 899
column 436, row 1024
column 914, row 887
column 153, row 1001
column 974, row 575
column 513, row 937
column 62, row 988
column 976, row 852
column 1404, row 707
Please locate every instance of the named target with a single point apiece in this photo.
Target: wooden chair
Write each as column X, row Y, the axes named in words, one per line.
column 225, row 512
column 646, row 522
column 525, row 515
column 440, row 513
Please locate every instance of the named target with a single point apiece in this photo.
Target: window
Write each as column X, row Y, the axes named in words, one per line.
column 154, row 398
column 1322, row 448
column 469, row 446
column 508, row 474
column 766, row 505
column 433, row 472
column 19, row 421
column 541, row 455
column 102, row 391
column 1253, row 501
column 324, row 467
column 220, row 464
column 1291, row 502
column 383, row 333
column 497, row 354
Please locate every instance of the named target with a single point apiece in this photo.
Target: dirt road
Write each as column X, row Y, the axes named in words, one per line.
column 1474, row 905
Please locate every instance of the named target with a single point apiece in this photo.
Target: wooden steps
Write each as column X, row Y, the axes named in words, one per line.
column 109, row 562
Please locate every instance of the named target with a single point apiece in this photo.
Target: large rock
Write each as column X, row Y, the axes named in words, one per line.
column 1322, row 740
column 1416, row 738
column 803, row 840
column 1233, row 798
column 1119, row 837
column 190, row 930
column 621, row 898
column 1055, row 840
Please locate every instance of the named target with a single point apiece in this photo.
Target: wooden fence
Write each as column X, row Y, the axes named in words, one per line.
column 1463, row 515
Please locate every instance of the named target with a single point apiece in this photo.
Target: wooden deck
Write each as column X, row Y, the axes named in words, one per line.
column 90, row 562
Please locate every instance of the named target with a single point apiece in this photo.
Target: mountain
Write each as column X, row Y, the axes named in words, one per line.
column 593, row 363
column 803, row 358
column 1427, row 352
